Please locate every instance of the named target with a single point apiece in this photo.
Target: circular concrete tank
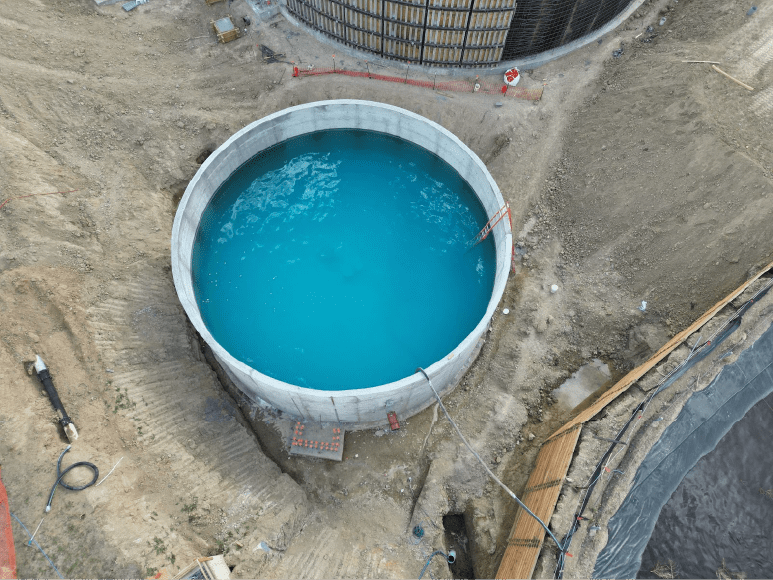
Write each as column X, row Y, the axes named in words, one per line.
column 358, row 407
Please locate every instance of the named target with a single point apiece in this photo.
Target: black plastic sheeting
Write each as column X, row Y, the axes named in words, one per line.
column 705, row 419
column 721, row 510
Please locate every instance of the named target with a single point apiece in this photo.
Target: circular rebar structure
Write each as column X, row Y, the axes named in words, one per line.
column 461, row 33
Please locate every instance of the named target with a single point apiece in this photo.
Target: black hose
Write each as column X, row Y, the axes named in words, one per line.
column 60, row 474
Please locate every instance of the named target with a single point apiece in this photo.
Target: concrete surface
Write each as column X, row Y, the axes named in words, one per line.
column 358, row 407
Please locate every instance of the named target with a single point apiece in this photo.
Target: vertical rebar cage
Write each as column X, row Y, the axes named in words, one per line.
column 463, row 33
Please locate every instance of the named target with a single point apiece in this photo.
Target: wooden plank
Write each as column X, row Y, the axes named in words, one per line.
column 735, row 80
column 526, row 538
column 623, row 384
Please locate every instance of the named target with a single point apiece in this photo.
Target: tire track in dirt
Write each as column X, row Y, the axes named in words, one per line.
column 168, row 393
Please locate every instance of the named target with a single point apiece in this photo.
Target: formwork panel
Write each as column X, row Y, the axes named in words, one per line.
column 490, row 5
column 407, row 32
column 443, row 39
column 446, row 26
column 363, row 30
column 450, row 5
column 403, row 29
column 484, row 39
column 441, row 55
column 498, row 20
column 368, row 6
column 486, row 36
column 401, row 51
column 362, row 39
column 474, row 56
column 457, row 32
column 443, row 19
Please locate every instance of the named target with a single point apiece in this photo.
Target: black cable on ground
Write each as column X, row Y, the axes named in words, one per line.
column 698, row 353
column 486, row 468
column 60, row 474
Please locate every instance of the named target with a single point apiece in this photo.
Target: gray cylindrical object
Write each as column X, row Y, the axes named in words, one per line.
column 356, row 407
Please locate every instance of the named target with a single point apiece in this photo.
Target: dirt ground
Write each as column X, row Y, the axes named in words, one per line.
column 634, row 178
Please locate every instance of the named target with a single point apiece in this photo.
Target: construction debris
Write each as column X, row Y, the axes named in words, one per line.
column 393, row 423
column 735, row 80
column 225, row 29
column 211, row 568
column 133, row 4
column 60, row 476
column 668, row 569
column 269, row 56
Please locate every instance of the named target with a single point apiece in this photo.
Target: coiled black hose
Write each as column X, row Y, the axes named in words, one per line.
column 60, row 474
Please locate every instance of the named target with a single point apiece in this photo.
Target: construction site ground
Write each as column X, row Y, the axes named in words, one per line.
column 635, row 178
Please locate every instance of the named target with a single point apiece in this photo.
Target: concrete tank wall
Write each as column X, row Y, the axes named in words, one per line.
column 359, row 407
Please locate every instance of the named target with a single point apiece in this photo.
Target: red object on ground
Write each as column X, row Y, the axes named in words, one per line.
column 392, row 416
column 296, row 72
column 7, row 552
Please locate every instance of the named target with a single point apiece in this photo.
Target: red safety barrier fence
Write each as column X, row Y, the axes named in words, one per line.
column 460, row 86
column 7, row 552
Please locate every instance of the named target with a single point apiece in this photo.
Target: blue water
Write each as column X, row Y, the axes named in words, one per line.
column 341, row 260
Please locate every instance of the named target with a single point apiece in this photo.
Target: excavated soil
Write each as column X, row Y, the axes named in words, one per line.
column 636, row 177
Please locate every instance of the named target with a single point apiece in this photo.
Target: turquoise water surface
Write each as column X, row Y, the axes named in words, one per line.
column 341, row 259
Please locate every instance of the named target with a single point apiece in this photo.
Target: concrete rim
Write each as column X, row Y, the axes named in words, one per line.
column 184, row 286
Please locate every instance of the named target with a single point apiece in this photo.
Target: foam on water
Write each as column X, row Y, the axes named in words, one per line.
column 341, row 259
